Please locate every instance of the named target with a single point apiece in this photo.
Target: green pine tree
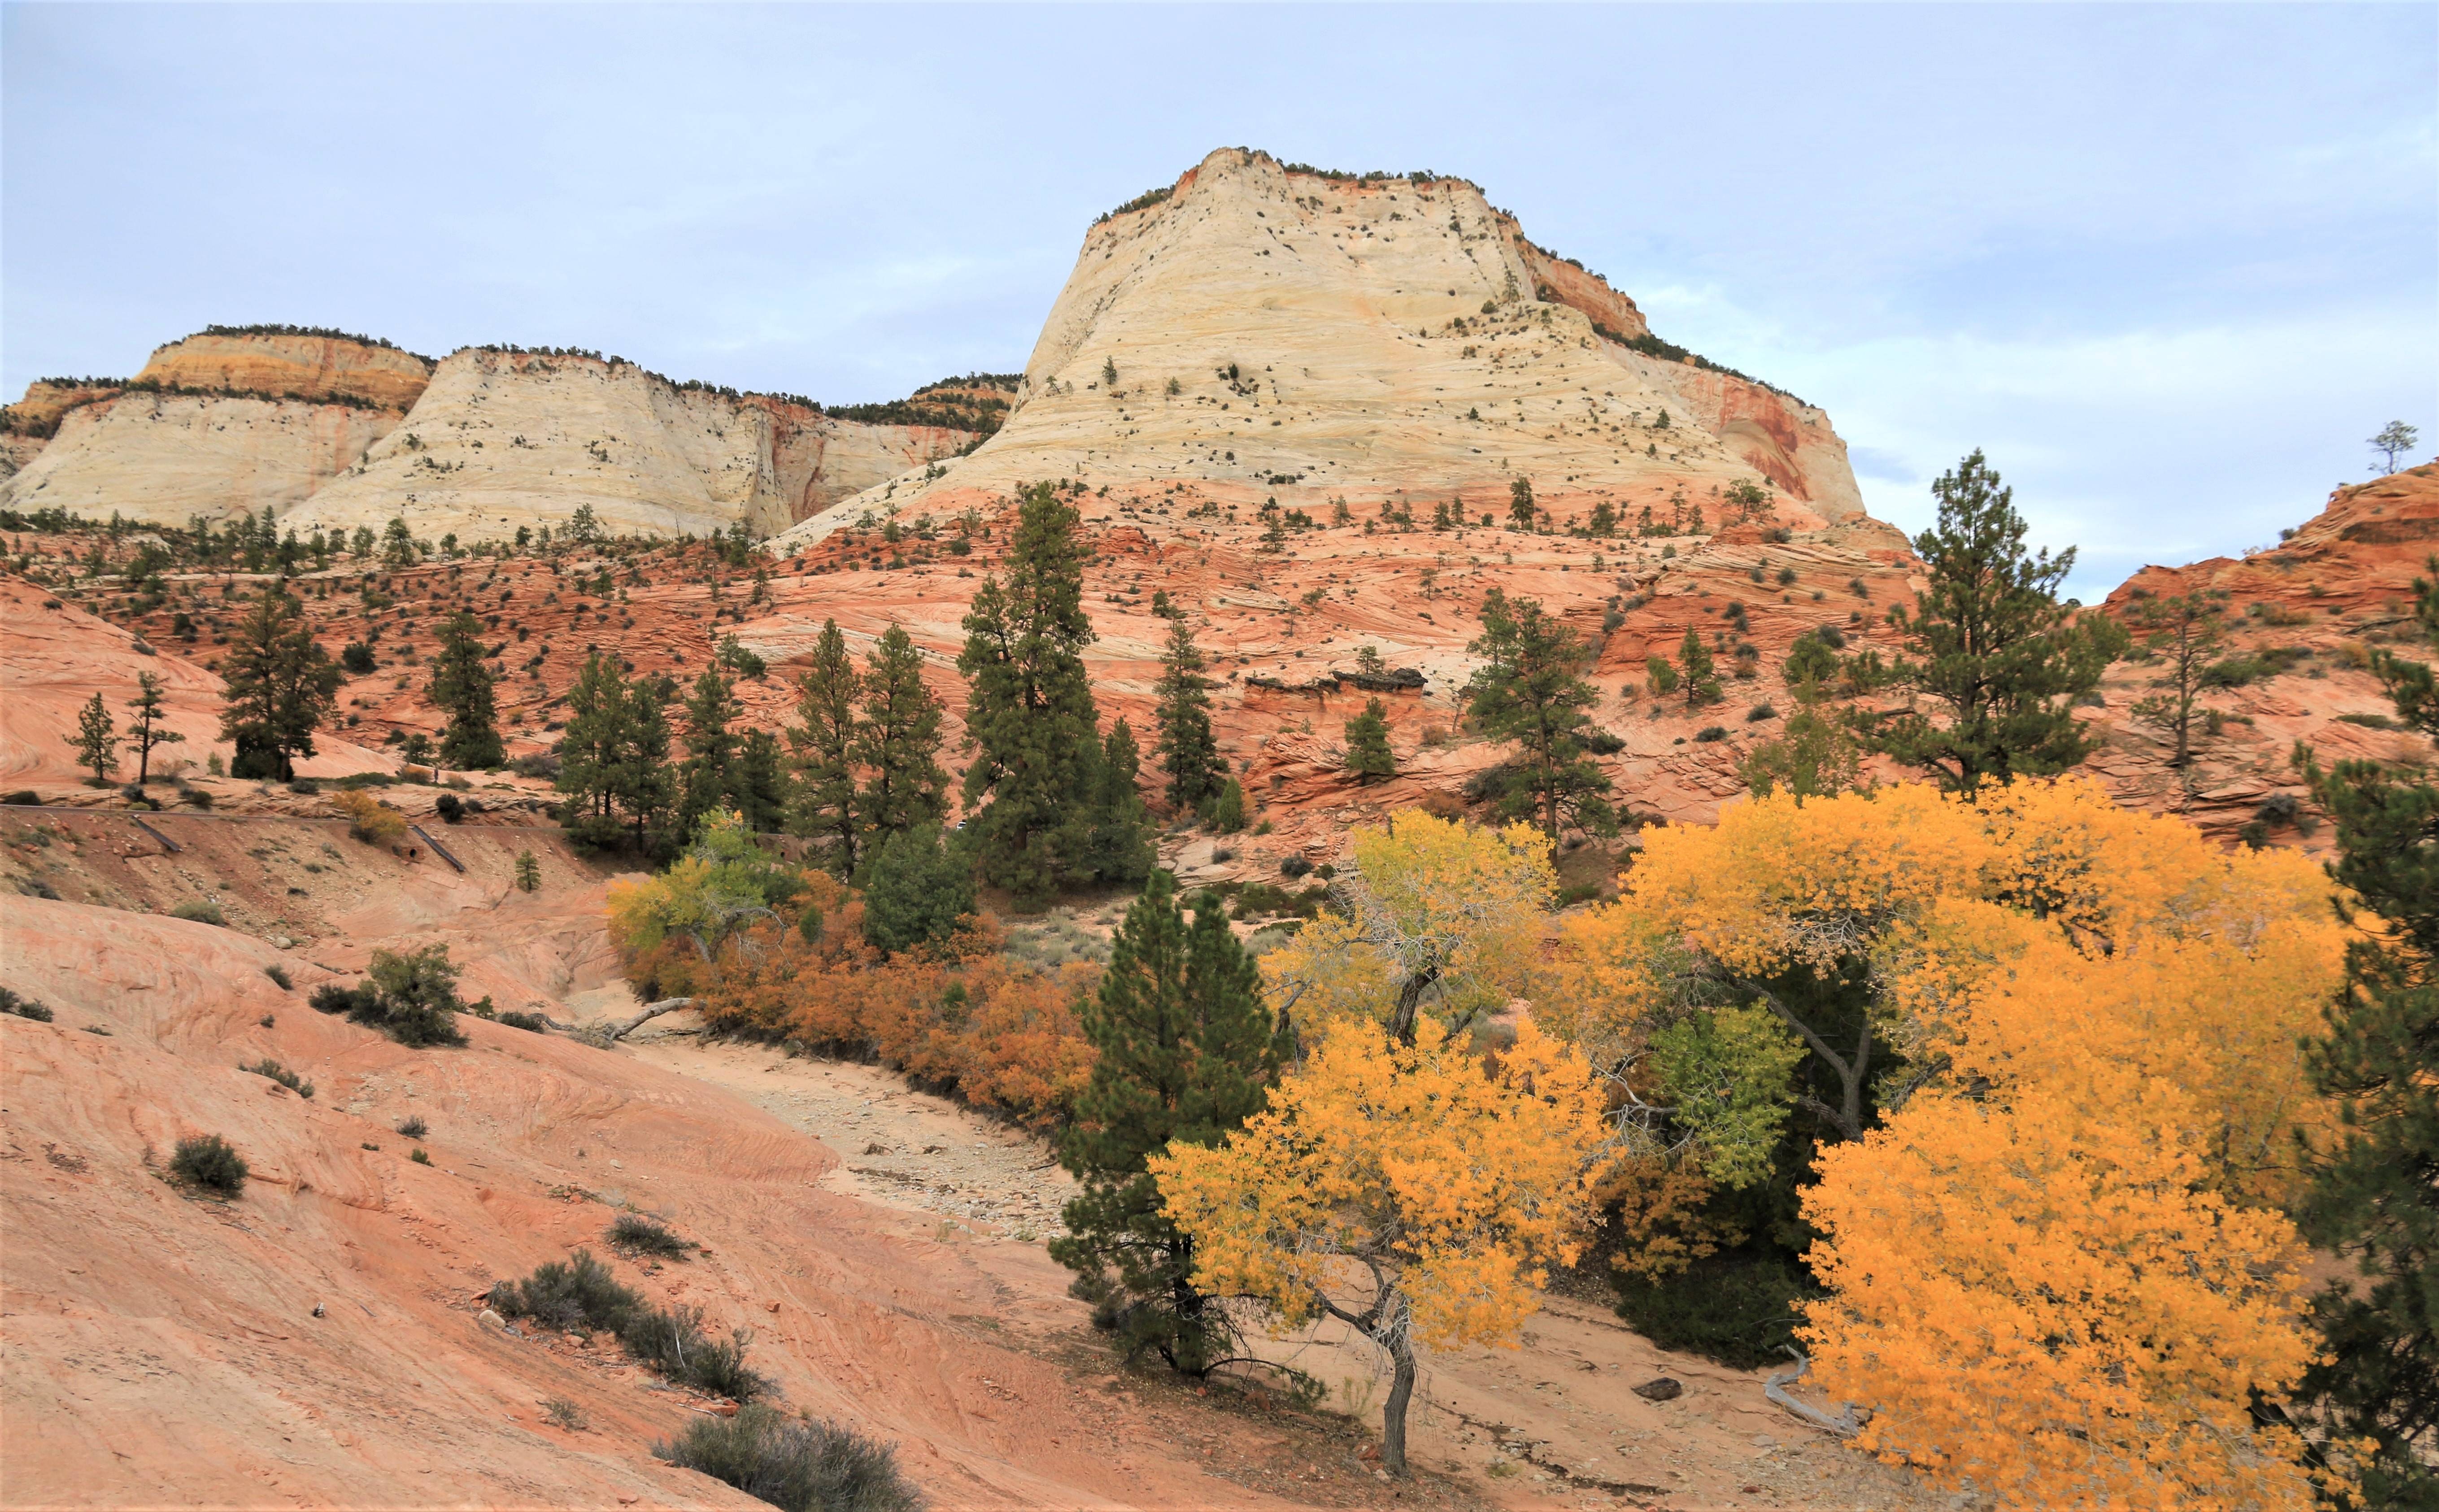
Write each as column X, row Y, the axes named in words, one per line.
column 146, row 731
column 461, row 687
column 1225, row 812
column 1190, row 755
column 1117, row 841
column 2372, row 1196
column 1991, row 642
column 645, row 793
column 917, row 890
column 822, row 743
column 1030, row 708
column 1520, row 507
column 708, row 772
column 1183, row 1051
column 1530, row 690
column 897, row 741
column 1697, row 671
column 757, row 784
column 528, row 872
column 280, row 689
column 96, row 741
column 1367, row 743
column 589, row 752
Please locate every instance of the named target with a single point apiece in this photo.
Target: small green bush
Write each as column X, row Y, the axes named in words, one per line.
column 279, row 974
column 577, row 1293
column 800, row 1466
column 635, row 1234
column 674, row 1345
column 531, row 1023
column 200, row 911
column 916, row 891
column 412, row 998
column 23, row 1008
column 207, row 1163
column 1711, row 732
column 419, row 1157
column 273, row 1069
column 413, row 1126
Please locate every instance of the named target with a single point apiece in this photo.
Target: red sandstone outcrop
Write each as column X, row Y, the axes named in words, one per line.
column 305, row 364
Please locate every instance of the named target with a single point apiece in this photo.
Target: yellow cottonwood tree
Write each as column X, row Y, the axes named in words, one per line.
column 1443, row 914
column 2044, row 1299
column 1407, row 1190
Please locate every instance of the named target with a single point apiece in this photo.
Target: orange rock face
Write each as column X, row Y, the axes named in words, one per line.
column 310, row 368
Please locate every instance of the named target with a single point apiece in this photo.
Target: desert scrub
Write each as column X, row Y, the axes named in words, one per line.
column 23, row 1008
column 808, row 1466
column 208, row 1164
column 634, row 1233
column 579, row 1294
column 200, row 911
column 279, row 975
column 412, row 998
column 413, row 1128
column 275, row 1071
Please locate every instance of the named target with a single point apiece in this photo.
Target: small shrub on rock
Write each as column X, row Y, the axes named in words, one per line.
column 279, row 974
column 635, row 1234
column 577, row 1293
column 673, row 1343
column 208, row 1164
column 273, row 1069
column 23, row 1008
column 200, row 911
column 531, row 1023
column 369, row 819
column 413, row 1128
column 798, row 1465
column 411, row 997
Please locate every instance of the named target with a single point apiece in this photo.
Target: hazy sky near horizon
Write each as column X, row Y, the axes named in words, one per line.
column 2167, row 266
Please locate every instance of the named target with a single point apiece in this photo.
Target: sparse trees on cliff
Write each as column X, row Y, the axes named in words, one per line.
column 461, row 687
column 1991, row 642
column 2394, row 440
column 1530, row 690
column 281, row 687
column 1031, row 708
column 96, row 741
column 2183, row 630
column 1697, row 670
column 146, row 732
column 1368, row 755
column 1182, row 717
column 1183, row 1051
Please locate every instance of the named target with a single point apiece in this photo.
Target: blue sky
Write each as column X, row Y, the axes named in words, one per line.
column 2167, row 266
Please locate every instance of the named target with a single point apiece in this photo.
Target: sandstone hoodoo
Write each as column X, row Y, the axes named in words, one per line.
column 1265, row 330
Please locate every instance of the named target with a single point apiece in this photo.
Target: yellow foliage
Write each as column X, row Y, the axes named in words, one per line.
column 2044, row 1300
column 369, row 819
column 1456, row 1183
column 1446, row 910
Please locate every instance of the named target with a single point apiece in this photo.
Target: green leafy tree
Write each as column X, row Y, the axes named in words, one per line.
column 1030, row 708
column 397, row 546
column 1367, row 743
column 146, row 731
column 96, row 741
column 281, row 687
column 1225, row 814
column 897, row 740
column 462, row 687
column 1814, row 755
column 2394, row 440
column 2183, row 630
column 1991, row 641
column 1530, row 690
column 1696, row 672
column 822, row 743
column 917, row 890
column 1183, row 1050
column 2372, row 1197
column 1117, row 838
column 1190, row 755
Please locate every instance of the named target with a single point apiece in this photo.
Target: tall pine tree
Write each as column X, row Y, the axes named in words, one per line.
column 2375, row 1192
column 1991, row 642
column 613, row 758
column 708, row 774
column 1188, row 754
column 146, row 731
column 898, row 742
column 1117, row 838
column 1367, row 743
column 1530, row 690
column 822, row 742
column 281, row 687
column 1029, row 709
column 461, row 687
column 1185, row 1052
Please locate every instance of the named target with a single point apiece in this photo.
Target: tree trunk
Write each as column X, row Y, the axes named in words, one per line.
column 1401, row 1391
column 650, row 1011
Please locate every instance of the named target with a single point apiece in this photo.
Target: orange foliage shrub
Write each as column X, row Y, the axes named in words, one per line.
column 999, row 1034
